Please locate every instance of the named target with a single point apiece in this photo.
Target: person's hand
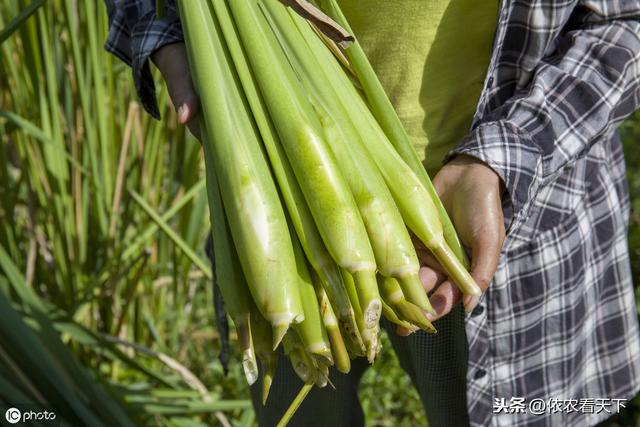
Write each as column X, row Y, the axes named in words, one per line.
column 172, row 62
column 470, row 191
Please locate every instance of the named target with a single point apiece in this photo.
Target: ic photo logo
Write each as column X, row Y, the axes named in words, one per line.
column 13, row 415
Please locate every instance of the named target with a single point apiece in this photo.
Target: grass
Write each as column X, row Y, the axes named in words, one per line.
column 102, row 218
column 104, row 283
column 630, row 132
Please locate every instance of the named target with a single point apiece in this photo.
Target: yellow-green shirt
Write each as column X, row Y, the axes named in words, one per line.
column 431, row 57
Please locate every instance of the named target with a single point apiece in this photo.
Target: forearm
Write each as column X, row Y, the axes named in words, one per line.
column 581, row 90
column 135, row 33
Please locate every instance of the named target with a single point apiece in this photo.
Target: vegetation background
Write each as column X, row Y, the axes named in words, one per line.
column 105, row 291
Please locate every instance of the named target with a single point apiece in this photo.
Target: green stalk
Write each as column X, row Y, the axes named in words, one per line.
column 179, row 242
column 263, row 342
column 392, row 246
column 354, row 348
column 302, row 394
column 297, row 207
column 143, row 238
column 338, row 347
column 391, row 316
column 257, row 221
column 418, row 211
column 369, row 335
column 392, row 295
column 228, row 272
column 388, row 119
column 63, row 247
column 311, row 330
column 107, row 150
column 323, row 185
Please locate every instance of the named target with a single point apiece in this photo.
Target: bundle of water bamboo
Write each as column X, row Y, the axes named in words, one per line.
column 313, row 187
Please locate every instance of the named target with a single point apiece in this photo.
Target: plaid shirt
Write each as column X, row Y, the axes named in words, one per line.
column 559, row 320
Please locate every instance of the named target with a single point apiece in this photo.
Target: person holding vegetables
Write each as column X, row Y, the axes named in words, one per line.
column 513, row 106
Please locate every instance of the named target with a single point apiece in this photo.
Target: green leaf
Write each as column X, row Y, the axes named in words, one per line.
column 15, row 23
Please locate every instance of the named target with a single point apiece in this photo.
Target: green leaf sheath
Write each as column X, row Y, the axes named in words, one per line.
column 390, row 240
column 228, row 272
column 323, row 185
column 393, row 296
column 311, row 330
column 256, row 218
column 377, row 210
column 392, row 317
column 385, row 114
column 369, row 334
column 300, row 361
column 263, row 343
column 299, row 212
column 338, row 346
column 418, row 210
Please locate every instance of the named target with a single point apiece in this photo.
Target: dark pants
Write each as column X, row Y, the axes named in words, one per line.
column 437, row 365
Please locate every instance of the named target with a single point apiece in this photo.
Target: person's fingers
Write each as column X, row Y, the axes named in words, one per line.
column 186, row 103
column 405, row 332
column 426, row 258
column 471, row 192
column 424, row 255
column 430, row 278
column 194, row 127
column 421, row 250
column 443, row 299
column 184, row 98
column 172, row 62
column 485, row 253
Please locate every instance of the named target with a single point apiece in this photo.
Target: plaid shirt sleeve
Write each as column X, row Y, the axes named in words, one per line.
column 587, row 82
column 135, row 32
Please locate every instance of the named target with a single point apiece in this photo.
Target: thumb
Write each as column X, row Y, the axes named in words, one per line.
column 172, row 62
column 485, row 253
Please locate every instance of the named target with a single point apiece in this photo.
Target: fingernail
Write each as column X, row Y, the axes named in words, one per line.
column 470, row 303
column 466, row 299
column 182, row 113
column 404, row 332
column 438, row 302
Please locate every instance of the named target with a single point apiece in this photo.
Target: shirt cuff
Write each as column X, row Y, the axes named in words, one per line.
column 148, row 35
column 511, row 153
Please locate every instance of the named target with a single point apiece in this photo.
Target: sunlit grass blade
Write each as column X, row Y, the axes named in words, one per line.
column 15, row 23
column 197, row 260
